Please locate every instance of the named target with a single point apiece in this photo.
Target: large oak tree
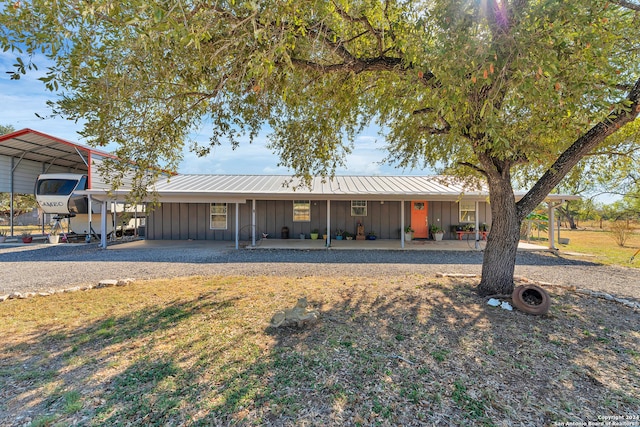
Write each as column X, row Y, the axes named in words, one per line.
column 486, row 88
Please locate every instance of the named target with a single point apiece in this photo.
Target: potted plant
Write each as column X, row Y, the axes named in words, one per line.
column 339, row 233
column 324, row 235
column 371, row 235
column 437, row 232
column 26, row 237
column 347, row 235
column 314, row 234
column 408, row 233
column 54, row 237
column 3, row 236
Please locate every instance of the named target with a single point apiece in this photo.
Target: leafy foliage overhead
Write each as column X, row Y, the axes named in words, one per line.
column 451, row 81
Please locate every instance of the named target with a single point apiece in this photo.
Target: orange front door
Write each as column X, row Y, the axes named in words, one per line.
column 419, row 219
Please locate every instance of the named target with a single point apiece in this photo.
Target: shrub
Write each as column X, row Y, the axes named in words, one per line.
column 620, row 231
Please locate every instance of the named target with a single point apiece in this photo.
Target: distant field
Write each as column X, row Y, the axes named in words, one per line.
column 601, row 246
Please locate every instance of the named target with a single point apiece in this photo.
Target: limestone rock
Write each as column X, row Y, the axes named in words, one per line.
column 298, row 315
column 107, row 283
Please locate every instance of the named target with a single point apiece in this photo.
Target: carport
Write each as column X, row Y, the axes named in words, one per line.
column 27, row 153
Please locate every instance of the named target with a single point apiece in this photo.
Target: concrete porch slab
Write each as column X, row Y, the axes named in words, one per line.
column 308, row 244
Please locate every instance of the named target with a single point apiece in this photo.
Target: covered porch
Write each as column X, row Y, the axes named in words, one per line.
column 308, row 244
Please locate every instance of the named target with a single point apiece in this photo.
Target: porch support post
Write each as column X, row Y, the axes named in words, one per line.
column 11, row 195
column 328, row 241
column 44, row 215
column 89, row 217
column 402, row 224
column 114, row 210
column 552, row 231
column 237, row 226
column 253, row 222
column 103, row 225
column 477, row 226
column 552, row 237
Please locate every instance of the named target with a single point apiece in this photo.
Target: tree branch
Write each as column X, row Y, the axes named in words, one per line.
column 474, row 167
column 357, row 65
column 432, row 130
column 321, row 33
column 424, row 111
column 627, row 153
column 627, row 4
column 390, row 31
column 363, row 20
column 579, row 149
column 435, row 130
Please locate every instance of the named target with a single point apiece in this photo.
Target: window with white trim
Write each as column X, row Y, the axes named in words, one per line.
column 218, row 216
column 468, row 212
column 358, row 208
column 301, row 211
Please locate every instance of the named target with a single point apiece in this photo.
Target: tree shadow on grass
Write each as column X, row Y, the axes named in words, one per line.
column 416, row 352
column 439, row 355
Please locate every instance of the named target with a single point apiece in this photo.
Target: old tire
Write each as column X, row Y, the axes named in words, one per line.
column 531, row 299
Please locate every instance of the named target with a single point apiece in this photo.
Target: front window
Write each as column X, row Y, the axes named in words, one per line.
column 218, row 216
column 358, row 208
column 56, row 187
column 301, row 211
column 468, row 212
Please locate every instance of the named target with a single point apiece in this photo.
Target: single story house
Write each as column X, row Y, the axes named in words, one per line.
column 230, row 207
column 246, row 207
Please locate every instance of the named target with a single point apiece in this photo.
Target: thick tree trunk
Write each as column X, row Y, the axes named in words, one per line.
column 566, row 213
column 499, row 260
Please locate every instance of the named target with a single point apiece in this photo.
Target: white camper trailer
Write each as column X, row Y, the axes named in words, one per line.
column 61, row 194
column 55, row 193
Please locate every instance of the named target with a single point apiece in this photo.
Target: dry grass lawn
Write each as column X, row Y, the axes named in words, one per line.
column 601, row 244
column 405, row 351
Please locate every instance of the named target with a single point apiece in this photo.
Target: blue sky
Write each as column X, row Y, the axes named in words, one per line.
column 20, row 100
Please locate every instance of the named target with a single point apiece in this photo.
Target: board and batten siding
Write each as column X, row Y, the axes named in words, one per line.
column 183, row 221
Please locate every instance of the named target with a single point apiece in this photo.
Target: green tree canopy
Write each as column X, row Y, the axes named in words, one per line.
column 5, row 129
column 490, row 88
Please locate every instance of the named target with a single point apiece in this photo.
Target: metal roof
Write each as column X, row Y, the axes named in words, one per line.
column 32, row 145
column 338, row 187
column 239, row 188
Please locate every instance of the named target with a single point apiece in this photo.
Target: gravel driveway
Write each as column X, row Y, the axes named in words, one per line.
column 37, row 268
